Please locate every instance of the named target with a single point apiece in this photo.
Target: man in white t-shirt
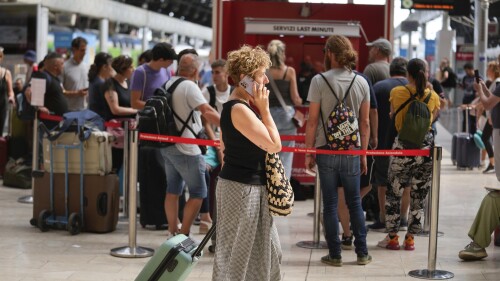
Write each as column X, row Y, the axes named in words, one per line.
column 75, row 76
column 184, row 162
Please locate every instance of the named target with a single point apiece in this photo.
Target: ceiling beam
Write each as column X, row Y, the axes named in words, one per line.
column 123, row 13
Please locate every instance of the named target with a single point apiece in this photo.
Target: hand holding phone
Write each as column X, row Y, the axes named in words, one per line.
column 476, row 74
column 247, row 83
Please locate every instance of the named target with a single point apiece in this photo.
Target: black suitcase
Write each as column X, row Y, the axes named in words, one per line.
column 454, row 146
column 152, row 187
column 468, row 154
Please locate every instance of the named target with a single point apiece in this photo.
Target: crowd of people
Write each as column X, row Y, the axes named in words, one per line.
column 249, row 123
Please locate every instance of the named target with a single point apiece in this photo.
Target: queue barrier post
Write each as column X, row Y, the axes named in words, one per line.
column 431, row 273
column 427, row 214
column 126, row 170
column 315, row 243
column 132, row 250
column 28, row 199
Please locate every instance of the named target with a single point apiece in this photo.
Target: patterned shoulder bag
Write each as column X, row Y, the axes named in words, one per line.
column 279, row 190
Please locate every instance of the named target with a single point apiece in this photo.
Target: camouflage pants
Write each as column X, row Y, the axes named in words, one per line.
column 414, row 172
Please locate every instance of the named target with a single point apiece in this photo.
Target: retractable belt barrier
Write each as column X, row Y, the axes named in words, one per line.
column 136, row 251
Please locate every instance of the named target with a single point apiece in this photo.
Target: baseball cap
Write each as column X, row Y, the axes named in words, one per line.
column 163, row 51
column 30, row 55
column 382, row 44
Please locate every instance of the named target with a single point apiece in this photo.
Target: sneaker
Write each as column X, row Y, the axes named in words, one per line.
column 472, row 252
column 170, row 235
column 364, row 259
column 346, row 243
column 390, row 243
column 378, row 227
column 403, row 226
column 331, row 261
column 489, row 169
column 409, row 242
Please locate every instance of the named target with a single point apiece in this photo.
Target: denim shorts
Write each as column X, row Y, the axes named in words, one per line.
column 182, row 168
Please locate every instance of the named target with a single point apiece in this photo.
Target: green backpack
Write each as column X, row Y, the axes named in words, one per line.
column 416, row 122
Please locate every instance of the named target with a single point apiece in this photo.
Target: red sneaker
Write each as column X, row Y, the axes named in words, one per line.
column 391, row 243
column 409, row 242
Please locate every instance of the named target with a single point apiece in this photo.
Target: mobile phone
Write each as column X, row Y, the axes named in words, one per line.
column 476, row 74
column 247, row 83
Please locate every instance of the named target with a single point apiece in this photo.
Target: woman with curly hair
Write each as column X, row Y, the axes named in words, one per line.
column 248, row 246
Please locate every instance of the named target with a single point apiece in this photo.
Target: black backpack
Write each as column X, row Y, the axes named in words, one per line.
column 416, row 121
column 158, row 117
column 211, row 92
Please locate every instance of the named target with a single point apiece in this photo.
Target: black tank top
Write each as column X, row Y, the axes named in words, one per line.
column 244, row 162
column 284, row 88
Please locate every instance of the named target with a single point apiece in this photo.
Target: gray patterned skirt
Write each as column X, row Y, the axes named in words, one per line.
column 248, row 247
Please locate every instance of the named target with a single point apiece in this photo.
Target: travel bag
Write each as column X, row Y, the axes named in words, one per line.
column 97, row 153
column 175, row 259
column 464, row 149
column 17, row 174
column 152, row 187
column 101, row 199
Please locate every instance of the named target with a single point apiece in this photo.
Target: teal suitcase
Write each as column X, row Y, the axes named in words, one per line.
column 175, row 259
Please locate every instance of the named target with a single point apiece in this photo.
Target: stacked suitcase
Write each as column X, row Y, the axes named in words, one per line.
column 76, row 191
column 464, row 152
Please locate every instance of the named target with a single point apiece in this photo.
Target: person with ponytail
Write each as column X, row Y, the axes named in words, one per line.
column 409, row 171
column 283, row 80
column 339, row 170
column 99, row 72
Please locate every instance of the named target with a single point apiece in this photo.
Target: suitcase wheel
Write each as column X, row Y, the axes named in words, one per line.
column 211, row 249
column 42, row 220
column 33, row 222
column 74, row 224
column 454, row 162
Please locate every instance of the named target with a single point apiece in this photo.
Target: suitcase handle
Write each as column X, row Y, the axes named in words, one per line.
column 197, row 253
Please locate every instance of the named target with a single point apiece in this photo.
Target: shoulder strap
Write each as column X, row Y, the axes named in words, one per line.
column 350, row 85
column 144, row 85
column 324, row 78
column 284, row 75
column 211, row 91
column 174, row 85
column 412, row 97
column 276, row 91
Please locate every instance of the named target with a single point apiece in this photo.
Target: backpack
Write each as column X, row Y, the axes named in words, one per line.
column 416, row 121
column 158, row 116
column 342, row 131
column 211, row 92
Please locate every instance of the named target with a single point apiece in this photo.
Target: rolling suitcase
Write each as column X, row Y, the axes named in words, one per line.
column 97, row 154
column 152, row 187
column 175, row 259
column 101, row 199
column 466, row 152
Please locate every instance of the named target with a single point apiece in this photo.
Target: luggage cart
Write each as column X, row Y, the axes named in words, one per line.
column 72, row 222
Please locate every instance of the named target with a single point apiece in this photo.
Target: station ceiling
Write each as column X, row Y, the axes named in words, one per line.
column 195, row 11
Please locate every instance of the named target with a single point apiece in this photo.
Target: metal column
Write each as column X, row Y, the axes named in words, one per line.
column 480, row 35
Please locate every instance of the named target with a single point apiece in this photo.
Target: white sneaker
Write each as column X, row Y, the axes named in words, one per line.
column 170, row 235
column 384, row 243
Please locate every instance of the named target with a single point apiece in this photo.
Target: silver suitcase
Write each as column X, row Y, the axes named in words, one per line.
column 97, row 158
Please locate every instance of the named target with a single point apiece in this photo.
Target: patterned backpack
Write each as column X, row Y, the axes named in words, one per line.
column 341, row 130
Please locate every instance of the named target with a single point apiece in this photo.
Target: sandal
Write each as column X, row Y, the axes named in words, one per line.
column 204, row 226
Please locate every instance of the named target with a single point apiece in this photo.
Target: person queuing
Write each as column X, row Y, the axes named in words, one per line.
column 6, row 92
column 285, row 85
column 184, row 162
column 116, row 99
column 332, row 169
column 409, row 171
column 99, row 72
column 248, row 246
column 74, row 76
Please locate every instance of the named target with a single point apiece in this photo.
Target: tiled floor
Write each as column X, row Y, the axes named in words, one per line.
column 27, row 254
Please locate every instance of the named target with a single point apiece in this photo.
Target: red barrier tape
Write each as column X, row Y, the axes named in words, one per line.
column 406, row 152
column 50, row 117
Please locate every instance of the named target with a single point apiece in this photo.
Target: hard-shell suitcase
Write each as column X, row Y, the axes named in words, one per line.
column 101, row 199
column 97, row 154
column 152, row 187
column 175, row 259
column 454, row 146
column 466, row 152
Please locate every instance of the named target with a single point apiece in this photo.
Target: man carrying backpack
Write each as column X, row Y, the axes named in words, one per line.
column 185, row 162
column 413, row 107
